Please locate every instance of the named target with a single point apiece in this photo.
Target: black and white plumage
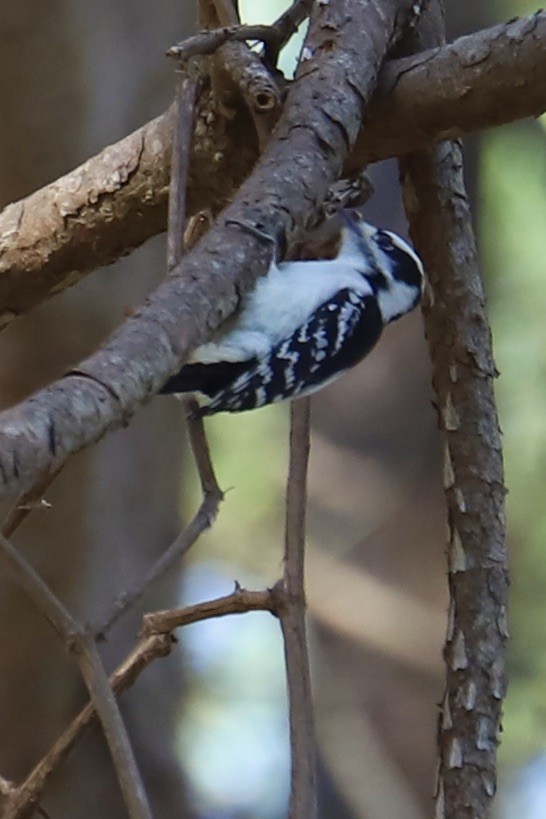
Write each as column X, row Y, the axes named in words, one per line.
column 305, row 323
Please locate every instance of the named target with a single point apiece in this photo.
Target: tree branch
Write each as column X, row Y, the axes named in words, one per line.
column 83, row 646
column 463, row 372
column 485, row 79
column 118, row 199
column 156, row 641
column 238, row 71
column 178, row 241
column 23, row 799
column 203, row 520
column 207, row 42
column 184, row 105
column 346, row 43
column 460, row 342
column 241, row 601
column 303, row 784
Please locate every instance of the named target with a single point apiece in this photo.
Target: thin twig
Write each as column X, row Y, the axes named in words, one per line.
column 156, row 641
column 184, row 122
column 66, row 627
column 201, row 451
column 286, row 26
column 114, row 728
column 303, row 794
column 240, row 601
column 23, row 801
column 203, row 520
column 29, row 501
column 179, row 547
column 75, row 637
column 213, row 495
column 207, row 42
column 184, row 109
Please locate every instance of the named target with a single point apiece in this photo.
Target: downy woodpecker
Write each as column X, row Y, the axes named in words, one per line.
column 305, row 323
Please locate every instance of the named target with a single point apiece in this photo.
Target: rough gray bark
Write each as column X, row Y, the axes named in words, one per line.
column 118, row 199
column 320, row 122
column 463, row 374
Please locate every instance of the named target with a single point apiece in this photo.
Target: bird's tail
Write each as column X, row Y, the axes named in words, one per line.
column 208, row 379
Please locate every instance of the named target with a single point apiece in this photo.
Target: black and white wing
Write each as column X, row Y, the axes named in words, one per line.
column 338, row 334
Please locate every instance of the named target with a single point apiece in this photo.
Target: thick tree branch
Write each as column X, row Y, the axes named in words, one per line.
column 459, row 337
column 346, row 44
column 239, row 72
column 485, row 79
column 113, row 203
column 463, row 372
column 118, row 199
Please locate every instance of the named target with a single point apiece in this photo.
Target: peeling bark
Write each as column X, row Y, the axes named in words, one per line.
column 459, row 337
column 346, row 44
column 460, row 341
column 118, row 199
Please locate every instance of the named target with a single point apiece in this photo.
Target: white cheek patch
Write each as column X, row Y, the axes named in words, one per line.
column 398, row 300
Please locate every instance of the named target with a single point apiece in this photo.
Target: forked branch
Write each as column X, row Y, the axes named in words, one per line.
column 320, row 122
column 118, row 199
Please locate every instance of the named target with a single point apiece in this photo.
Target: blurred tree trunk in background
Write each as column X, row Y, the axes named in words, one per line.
column 75, row 76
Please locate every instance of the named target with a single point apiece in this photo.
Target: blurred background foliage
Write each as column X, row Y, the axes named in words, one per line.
column 376, row 573
column 509, row 187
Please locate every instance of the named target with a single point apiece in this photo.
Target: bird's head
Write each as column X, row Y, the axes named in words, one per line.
column 392, row 267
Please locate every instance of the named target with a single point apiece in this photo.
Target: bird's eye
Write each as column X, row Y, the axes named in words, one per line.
column 383, row 240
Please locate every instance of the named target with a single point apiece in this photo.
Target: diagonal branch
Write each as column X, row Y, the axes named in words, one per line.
column 203, row 519
column 83, row 646
column 156, row 642
column 178, row 241
column 479, row 81
column 118, row 199
column 320, row 123
column 23, row 799
column 207, row 42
